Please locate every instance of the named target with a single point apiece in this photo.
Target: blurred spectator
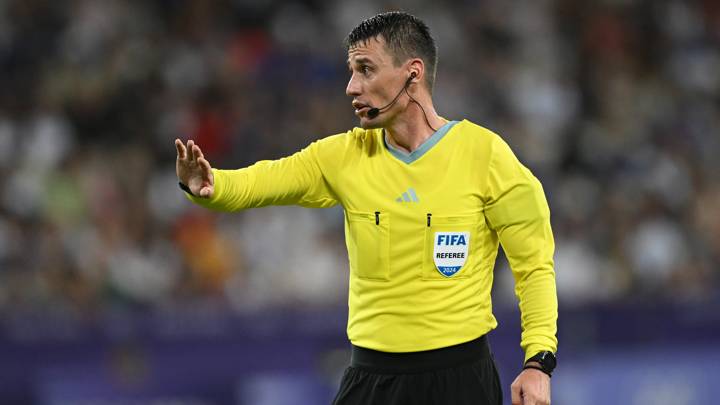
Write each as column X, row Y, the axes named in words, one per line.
column 613, row 105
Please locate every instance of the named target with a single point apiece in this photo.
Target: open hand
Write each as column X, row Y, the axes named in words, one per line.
column 193, row 170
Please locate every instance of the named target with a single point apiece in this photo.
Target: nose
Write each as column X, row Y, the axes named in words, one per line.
column 353, row 88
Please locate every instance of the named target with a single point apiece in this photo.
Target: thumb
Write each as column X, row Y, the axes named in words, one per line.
column 206, row 192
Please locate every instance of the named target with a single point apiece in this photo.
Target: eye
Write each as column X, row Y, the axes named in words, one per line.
column 363, row 69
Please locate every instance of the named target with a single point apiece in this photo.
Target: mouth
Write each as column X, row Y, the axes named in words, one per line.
column 360, row 108
column 361, row 112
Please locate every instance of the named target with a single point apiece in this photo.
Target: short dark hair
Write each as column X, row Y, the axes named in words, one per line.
column 406, row 36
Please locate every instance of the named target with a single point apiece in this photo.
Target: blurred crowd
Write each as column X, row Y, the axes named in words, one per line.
column 614, row 105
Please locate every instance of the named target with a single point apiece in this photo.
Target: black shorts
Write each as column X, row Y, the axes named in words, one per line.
column 464, row 374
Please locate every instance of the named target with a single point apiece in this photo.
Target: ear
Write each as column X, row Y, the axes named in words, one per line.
column 417, row 69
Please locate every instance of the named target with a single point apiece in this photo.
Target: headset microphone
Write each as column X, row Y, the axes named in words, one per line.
column 374, row 112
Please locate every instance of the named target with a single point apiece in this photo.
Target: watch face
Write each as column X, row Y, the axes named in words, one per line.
column 548, row 360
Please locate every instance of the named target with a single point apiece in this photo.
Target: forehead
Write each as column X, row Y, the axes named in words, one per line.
column 373, row 49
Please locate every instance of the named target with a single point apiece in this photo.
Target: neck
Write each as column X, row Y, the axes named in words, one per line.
column 409, row 130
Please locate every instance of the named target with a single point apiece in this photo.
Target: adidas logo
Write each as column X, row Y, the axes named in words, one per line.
column 408, row 196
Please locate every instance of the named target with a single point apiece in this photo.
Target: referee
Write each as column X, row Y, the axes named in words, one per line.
column 427, row 201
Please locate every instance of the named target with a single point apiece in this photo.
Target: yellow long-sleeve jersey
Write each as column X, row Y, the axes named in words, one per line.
column 422, row 231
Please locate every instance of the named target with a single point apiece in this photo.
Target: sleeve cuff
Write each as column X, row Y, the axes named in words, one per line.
column 535, row 349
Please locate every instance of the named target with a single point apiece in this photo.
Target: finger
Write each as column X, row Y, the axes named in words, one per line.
column 206, row 169
column 197, row 152
column 530, row 398
column 180, row 149
column 190, row 145
column 205, row 192
column 515, row 395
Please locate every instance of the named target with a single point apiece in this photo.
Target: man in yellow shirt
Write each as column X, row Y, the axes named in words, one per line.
column 427, row 202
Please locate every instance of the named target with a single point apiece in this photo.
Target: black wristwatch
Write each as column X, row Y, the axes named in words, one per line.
column 547, row 361
column 185, row 188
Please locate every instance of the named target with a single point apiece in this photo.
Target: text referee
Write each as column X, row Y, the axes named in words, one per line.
column 427, row 201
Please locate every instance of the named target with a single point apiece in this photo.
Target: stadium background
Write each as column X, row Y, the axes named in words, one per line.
column 115, row 290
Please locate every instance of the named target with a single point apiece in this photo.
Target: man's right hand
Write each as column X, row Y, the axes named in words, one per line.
column 193, row 170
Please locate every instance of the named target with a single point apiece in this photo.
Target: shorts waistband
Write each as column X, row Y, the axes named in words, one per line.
column 416, row 362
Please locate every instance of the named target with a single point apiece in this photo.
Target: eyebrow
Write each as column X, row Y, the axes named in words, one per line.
column 361, row 60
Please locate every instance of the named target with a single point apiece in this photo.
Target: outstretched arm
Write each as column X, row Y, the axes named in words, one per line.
column 296, row 179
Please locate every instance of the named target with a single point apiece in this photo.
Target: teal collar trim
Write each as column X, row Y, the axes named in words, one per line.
column 424, row 147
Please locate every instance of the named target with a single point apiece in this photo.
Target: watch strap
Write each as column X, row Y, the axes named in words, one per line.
column 534, row 367
column 185, row 188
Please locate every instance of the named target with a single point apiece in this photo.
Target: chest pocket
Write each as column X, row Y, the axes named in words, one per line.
column 452, row 246
column 369, row 244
